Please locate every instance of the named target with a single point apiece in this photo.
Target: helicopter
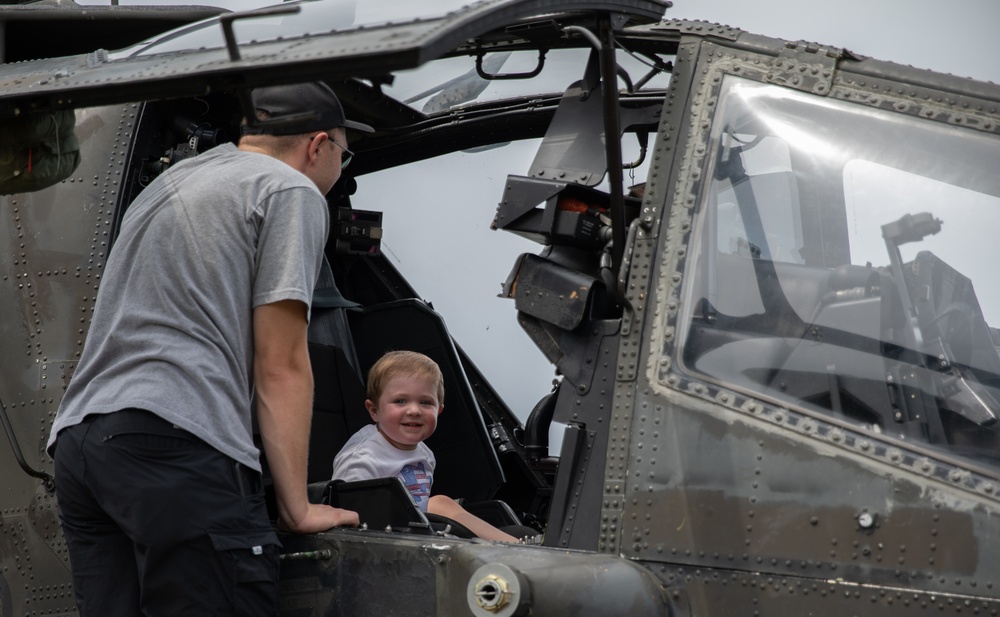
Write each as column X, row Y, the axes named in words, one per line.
column 759, row 268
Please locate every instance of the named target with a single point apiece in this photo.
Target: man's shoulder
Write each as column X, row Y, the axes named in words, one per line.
column 254, row 175
column 229, row 155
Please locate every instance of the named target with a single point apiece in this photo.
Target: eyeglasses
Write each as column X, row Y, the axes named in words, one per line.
column 345, row 160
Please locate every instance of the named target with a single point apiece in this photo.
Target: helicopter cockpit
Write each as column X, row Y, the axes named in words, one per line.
column 840, row 273
column 529, row 103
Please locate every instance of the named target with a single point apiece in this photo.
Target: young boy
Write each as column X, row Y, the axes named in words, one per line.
column 405, row 396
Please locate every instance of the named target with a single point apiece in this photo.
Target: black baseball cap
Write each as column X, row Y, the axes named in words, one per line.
column 314, row 101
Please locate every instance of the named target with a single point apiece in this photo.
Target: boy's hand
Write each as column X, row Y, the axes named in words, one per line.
column 319, row 518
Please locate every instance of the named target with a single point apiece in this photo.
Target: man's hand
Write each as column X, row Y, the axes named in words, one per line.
column 320, row 518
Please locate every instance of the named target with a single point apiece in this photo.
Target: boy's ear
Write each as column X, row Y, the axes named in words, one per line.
column 372, row 410
column 440, row 409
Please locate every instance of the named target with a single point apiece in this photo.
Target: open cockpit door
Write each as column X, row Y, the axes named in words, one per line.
column 295, row 41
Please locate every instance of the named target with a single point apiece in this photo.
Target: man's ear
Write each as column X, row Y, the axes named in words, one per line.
column 372, row 410
column 314, row 144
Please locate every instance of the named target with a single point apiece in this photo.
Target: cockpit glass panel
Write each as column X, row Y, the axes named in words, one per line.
column 871, row 188
column 450, row 83
column 844, row 265
column 453, row 82
column 314, row 17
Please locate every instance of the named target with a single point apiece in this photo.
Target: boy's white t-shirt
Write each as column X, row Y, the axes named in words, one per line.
column 368, row 455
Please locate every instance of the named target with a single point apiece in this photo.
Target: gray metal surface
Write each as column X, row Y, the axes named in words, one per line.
column 51, row 257
column 355, row 571
column 95, row 79
column 750, row 504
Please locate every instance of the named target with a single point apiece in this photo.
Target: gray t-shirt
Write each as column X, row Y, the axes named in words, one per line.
column 172, row 332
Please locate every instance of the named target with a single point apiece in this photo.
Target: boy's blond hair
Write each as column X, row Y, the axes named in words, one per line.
column 409, row 363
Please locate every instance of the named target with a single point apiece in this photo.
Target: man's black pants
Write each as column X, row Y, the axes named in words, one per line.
column 160, row 523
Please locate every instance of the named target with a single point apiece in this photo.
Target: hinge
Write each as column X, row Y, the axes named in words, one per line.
column 806, row 66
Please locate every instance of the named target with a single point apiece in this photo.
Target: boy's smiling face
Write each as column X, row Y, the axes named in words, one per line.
column 406, row 412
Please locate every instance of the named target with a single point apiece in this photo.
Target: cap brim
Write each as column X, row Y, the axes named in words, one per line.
column 358, row 126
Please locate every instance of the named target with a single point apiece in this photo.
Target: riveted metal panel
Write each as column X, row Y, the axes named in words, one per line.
column 702, row 591
column 719, row 485
column 752, row 504
column 52, row 254
column 639, row 310
column 575, row 521
column 981, row 113
column 805, row 66
column 699, row 28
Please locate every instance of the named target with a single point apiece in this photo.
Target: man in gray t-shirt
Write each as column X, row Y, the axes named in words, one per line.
column 203, row 304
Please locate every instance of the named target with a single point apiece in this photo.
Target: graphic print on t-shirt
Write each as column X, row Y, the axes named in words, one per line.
column 417, row 482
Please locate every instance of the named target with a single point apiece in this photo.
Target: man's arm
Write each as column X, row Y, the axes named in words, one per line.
column 284, row 385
